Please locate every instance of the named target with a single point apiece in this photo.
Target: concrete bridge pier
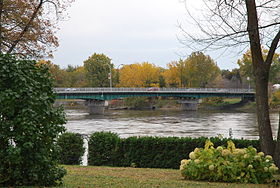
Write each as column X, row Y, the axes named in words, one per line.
column 96, row 106
column 189, row 104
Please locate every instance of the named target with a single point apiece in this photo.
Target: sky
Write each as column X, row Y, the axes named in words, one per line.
column 127, row 31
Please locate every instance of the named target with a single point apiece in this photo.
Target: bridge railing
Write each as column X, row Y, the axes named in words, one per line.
column 125, row 89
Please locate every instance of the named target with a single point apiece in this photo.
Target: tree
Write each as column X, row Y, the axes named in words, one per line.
column 139, row 75
column 29, row 124
column 57, row 74
column 246, row 66
column 197, row 70
column 173, row 75
column 200, row 70
column 227, row 24
column 98, row 68
column 27, row 28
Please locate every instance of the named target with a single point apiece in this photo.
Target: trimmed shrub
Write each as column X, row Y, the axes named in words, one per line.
column 228, row 164
column 102, row 148
column 71, row 147
column 148, row 152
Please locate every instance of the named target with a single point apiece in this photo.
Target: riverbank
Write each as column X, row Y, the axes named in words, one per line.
column 115, row 177
column 165, row 104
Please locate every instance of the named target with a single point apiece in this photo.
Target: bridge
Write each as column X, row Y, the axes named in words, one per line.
column 96, row 97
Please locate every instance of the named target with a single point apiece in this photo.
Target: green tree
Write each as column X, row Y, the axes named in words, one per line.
column 246, row 66
column 29, row 124
column 98, row 68
column 200, row 70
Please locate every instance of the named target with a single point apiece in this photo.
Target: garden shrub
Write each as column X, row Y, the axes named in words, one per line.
column 71, row 148
column 228, row 164
column 102, row 148
column 29, row 125
column 148, row 152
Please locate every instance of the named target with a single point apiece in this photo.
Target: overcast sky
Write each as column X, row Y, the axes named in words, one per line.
column 127, row 31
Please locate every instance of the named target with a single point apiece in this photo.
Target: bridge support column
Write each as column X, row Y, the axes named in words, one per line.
column 96, row 106
column 189, row 104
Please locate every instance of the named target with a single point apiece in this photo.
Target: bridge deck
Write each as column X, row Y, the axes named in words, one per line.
column 113, row 93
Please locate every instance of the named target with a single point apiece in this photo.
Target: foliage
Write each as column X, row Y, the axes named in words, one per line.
column 137, row 102
column 175, row 75
column 147, row 152
column 201, row 70
column 70, row 77
column 102, row 148
column 228, row 164
column 71, row 148
column 29, row 125
column 276, row 96
column 246, row 66
column 29, row 29
column 98, row 68
column 139, row 75
column 197, row 70
column 213, row 100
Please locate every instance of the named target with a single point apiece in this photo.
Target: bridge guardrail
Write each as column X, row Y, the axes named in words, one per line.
column 218, row 90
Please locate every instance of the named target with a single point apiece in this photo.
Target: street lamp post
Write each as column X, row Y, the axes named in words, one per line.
column 248, row 78
column 110, row 74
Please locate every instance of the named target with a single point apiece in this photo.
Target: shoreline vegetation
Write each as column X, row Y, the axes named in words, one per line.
column 166, row 104
column 103, row 176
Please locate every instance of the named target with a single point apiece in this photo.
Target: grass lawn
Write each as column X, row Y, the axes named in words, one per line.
column 91, row 176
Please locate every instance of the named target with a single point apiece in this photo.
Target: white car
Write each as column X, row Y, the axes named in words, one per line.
column 70, row 89
column 276, row 86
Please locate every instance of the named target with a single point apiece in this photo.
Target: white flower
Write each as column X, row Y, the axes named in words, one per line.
column 192, row 155
column 196, row 150
column 211, row 167
column 250, row 166
column 219, row 148
column 268, row 157
column 197, row 161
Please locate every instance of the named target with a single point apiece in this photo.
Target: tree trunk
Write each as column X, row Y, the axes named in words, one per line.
column 264, row 126
column 261, row 72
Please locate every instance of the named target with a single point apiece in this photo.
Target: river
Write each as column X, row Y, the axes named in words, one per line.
column 165, row 123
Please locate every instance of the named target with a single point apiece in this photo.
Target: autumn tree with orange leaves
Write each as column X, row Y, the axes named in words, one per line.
column 27, row 27
column 139, row 75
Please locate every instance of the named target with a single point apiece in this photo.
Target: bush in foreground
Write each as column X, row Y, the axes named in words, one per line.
column 228, row 164
column 71, row 148
column 29, row 125
column 107, row 148
column 102, row 148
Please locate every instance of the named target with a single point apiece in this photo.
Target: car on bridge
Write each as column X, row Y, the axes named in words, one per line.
column 70, row 89
column 153, row 89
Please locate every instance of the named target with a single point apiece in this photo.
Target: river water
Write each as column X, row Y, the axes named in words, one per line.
column 165, row 123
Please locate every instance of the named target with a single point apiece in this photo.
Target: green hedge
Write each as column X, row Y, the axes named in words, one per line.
column 102, row 148
column 106, row 148
column 71, row 148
